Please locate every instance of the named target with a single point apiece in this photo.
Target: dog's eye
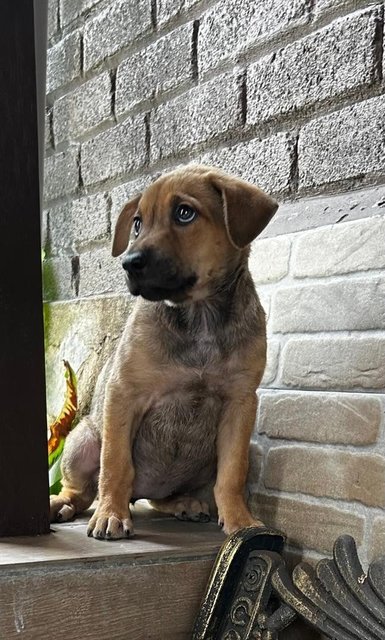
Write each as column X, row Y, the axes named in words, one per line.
column 184, row 214
column 137, row 226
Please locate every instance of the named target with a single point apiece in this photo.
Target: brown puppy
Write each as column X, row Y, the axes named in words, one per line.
column 175, row 408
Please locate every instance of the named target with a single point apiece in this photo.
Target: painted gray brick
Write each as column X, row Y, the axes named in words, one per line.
column 342, row 145
column 198, row 115
column 266, row 163
column 169, row 9
column 79, row 222
column 61, row 173
column 114, row 28
column 70, row 10
column 350, row 305
column 52, row 18
column 47, row 129
column 232, row 26
column 160, row 67
column 83, row 109
column 304, row 73
column 347, row 363
column 340, row 249
column 63, row 61
column 100, row 273
column 57, row 278
column 321, row 417
column 114, row 152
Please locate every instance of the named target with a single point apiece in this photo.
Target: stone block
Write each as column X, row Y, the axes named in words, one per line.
column 304, row 73
column 343, row 145
column 83, row 109
column 269, row 259
column 357, row 305
column 121, row 23
column 64, row 61
column 230, row 26
column 345, row 476
column 328, row 418
column 61, row 173
column 114, row 152
column 160, row 67
column 267, row 163
column 346, row 363
column 353, row 246
column 199, row 115
column 314, row 526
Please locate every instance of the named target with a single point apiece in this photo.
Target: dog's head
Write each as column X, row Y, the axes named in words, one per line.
column 187, row 231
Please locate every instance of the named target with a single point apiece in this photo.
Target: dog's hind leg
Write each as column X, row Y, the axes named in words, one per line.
column 80, row 469
column 183, row 507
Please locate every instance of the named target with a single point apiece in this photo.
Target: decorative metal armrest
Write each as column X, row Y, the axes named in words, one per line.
column 251, row 595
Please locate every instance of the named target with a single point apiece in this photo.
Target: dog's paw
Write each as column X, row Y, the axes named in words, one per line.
column 238, row 519
column 192, row 509
column 61, row 509
column 110, row 526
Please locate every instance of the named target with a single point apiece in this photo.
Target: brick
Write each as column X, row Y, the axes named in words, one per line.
column 169, row 9
column 255, row 463
column 47, row 129
column 271, row 362
column 267, row 163
column 269, row 259
column 377, row 545
column 70, row 10
column 265, row 297
column 274, row 90
column 83, row 109
column 100, row 273
column 353, row 137
column 64, row 61
column 198, row 115
column 52, row 18
column 114, row 152
column 345, row 476
column 57, row 278
column 347, row 305
column 323, row 7
column 319, row 211
column 334, row 363
column 124, row 192
column 353, row 246
column 120, row 23
column 314, row 526
column 76, row 223
column 327, row 418
column 61, row 173
column 160, row 67
column 230, row 26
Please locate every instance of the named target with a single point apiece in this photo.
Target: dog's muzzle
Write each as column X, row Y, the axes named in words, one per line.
column 155, row 277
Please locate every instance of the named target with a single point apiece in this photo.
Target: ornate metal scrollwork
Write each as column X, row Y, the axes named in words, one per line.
column 251, row 595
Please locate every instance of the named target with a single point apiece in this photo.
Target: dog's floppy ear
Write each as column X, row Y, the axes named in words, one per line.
column 246, row 208
column 122, row 227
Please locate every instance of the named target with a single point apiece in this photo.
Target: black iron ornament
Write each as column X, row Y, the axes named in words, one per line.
column 252, row 596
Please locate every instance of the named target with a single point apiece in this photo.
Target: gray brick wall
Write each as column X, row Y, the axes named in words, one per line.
column 289, row 95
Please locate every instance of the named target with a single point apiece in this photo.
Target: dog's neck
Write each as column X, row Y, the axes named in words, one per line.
column 225, row 305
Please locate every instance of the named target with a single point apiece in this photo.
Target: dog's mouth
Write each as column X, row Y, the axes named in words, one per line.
column 173, row 291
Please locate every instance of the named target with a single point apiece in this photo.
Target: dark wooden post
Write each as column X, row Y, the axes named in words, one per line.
column 23, row 431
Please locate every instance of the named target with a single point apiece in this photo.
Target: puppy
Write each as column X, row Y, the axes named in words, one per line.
column 175, row 408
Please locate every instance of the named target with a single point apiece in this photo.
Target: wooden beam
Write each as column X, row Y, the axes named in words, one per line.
column 23, row 431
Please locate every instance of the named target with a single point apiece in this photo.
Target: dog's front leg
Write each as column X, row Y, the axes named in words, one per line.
column 233, row 442
column 112, row 518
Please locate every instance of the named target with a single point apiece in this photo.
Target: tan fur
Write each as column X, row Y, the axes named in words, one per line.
column 175, row 408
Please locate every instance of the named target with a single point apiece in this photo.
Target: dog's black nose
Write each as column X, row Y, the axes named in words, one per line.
column 134, row 262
